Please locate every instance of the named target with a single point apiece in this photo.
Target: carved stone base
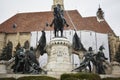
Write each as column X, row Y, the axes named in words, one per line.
column 115, row 68
column 59, row 56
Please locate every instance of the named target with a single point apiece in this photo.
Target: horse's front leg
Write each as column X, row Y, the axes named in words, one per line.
column 61, row 32
column 55, row 33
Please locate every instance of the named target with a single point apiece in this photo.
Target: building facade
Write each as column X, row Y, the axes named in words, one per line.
column 19, row 27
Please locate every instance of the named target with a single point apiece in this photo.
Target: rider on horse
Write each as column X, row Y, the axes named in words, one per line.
column 58, row 20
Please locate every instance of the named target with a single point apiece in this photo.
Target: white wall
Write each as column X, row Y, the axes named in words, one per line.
column 88, row 38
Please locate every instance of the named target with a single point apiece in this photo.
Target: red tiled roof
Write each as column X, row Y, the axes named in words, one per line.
column 36, row 21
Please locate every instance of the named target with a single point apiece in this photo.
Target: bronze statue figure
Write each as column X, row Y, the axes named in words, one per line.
column 89, row 57
column 58, row 21
column 19, row 60
column 100, row 58
column 26, row 62
column 96, row 59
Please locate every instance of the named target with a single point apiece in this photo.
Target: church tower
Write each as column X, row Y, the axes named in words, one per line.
column 55, row 2
column 100, row 14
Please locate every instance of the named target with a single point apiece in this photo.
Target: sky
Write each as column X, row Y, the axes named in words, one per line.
column 86, row 8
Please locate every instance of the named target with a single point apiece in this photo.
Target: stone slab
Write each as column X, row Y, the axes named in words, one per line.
column 3, row 69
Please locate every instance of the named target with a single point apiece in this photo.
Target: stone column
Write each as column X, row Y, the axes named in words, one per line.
column 59, row 56
column 2, row 41
column 18, row 37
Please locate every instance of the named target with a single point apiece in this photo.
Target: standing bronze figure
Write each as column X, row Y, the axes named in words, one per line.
column 100, row 59
column 89, row 57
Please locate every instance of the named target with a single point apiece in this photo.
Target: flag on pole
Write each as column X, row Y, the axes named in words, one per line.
column 42, row 43
column 76, row 44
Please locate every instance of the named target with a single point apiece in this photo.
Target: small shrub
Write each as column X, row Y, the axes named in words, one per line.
column 36, row 78
column 65, row 76
column 81, row 76
column 7, row 79
column 71, row 78
column 110, row 78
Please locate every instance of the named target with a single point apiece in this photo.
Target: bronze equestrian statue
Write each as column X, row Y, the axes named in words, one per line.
column 58, row 21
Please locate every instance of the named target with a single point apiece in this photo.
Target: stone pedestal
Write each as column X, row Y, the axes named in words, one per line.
column 3, row 68
column 59, row 56
column 115, row 68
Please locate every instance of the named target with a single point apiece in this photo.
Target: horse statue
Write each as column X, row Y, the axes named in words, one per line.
column 58, row 21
